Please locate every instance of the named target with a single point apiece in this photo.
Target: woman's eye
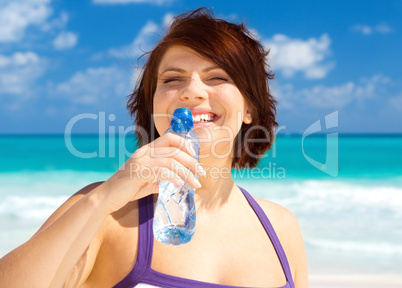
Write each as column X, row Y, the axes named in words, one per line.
column 219, row 78
column 170, row 80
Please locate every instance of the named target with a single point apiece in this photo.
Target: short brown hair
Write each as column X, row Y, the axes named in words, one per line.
column 233, row 48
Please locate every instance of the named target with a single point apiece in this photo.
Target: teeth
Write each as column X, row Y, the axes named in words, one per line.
column 202, row 118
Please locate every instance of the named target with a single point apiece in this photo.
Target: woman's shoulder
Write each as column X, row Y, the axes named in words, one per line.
column 282, row 219
column 288, row 230
column 278, row 215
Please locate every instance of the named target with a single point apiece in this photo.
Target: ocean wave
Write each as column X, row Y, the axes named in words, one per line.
column 367, row 248
column 31, row 208
column 35, row 195
column 323, row 193
column 360, row 216
column 28, row 198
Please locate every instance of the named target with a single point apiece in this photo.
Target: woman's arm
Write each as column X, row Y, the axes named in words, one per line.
column 65, row 248
column 299, row 256
column 51, row 255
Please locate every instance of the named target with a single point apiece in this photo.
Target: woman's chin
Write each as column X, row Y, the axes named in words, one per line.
column 216, row 152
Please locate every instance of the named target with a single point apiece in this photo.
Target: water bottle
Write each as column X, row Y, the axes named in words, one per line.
column 174, row 217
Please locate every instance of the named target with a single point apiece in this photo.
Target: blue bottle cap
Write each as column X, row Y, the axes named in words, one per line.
column 182, row 119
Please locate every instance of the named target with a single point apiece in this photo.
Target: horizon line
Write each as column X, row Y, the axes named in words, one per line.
column 279, row 134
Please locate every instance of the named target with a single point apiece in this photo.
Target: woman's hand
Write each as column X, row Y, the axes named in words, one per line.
column 169, row 157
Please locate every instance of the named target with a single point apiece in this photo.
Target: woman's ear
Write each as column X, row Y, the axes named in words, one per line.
column 247, row 117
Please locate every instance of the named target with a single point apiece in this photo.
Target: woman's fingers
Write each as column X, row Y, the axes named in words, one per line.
column 183, row 172
column 170, row 176
column 167, row 158
column 153, row 168
column 186, row 160
column 173, row 140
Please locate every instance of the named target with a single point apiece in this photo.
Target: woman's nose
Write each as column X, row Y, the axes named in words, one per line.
column 195, row 90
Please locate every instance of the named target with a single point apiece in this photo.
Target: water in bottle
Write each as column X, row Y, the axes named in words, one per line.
column 174, row 219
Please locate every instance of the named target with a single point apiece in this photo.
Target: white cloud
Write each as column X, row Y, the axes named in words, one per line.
column 337, row 96
column 145, row 39
column 58, row 23
column 141, row 43
column 329, row 97
column 65, row 40
column 18, row 74
column 383, row 28
column 364, row 29
column 167, row 19
column 17, row 15
column 296, row 55
column 157, row 2
column 95, row 86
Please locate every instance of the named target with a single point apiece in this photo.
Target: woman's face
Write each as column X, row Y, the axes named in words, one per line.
column 185, row 79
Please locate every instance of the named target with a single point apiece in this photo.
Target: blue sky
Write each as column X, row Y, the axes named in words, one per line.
column 66, row 59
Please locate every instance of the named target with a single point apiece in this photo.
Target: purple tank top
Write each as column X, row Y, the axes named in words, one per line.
column 143, row 273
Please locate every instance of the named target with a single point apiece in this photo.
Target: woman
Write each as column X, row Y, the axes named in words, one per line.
column 102, row 236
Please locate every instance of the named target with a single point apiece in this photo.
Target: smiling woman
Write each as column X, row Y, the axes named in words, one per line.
column 235, row 56
column 102, row 236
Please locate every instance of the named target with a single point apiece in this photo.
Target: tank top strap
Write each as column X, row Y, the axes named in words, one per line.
column 145, row 243
column 272, row 235
column 145, row 239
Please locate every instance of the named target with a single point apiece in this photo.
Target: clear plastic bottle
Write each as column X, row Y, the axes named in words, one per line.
column 174, row 218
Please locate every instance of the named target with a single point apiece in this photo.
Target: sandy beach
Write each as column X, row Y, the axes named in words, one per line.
column 355, row 281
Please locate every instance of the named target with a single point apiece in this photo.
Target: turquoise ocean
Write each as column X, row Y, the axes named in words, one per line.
column 346, row 191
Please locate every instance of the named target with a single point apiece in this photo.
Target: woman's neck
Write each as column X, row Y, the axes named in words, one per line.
column 217, row 186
